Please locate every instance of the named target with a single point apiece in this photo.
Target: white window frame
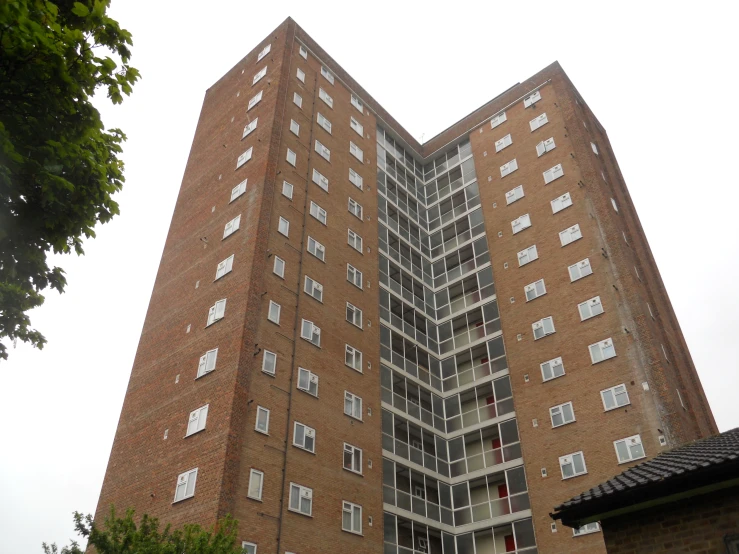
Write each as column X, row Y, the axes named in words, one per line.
column 313, row 288
column 273, row 313
column 570, row 235
column 291, row 157
column 497, row 120
column 217, row 312
column 569, row 459
column 508, row 168
column 254, row 100
column 207, row 363
column 323, row 95
column 302, row 492
column 353, row 358
column 303, row 52
column 269, row 362
column 514, row 194
column 311, row 378
column 318, row 212
column 531, row 99
column 224, row 267
column 551, row 366
column 546, row 325
column 504, row 142
column 538, row 122
column 297, row 100
column 354, row 276
column 355, row 241
column 283, row 227
column 580, row 266
column 197, row 420
column 586, row 529
column 255, row 473
column 320, row 179
column 545, row 146
column 318, row 248
column 615, row 392
column 245, row 157
column 353, row 315
column 327, row 74
column 356, row 151
column 323, row 121
column 295, row 127
column 534, row 290
column 355, row 517
column 355, row 208
column 322, row 150
column 553, row 173
column 353, row 406
column 561, row 202
column 356, row 179
column 250, row 127
column 265, row 411
column 527, row 255
column 521, row 223
column 594, row 147
column 279, row 267
column 248, row 547
column 629, row 443
column 259, row 76
column 590, row 308
column 231, row 227
column 356, row 126
column 264, row 52
column 601, row 348
column 307, row 433
column 355, row 458
column 238, row 190
column 314, row 332
column 300, row 74
column 615, row 208
column 357, row 103
column 287, row 188
column 183, row 483
column 559, row 410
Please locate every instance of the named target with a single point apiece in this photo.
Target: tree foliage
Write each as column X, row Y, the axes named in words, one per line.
column 124, row 536
column 59, row 166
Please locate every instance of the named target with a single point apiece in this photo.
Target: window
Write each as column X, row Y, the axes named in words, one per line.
column 232, row 226
column 274, row 312
column 304, row 437
column 295, row 127
column 317, row 249
column 562, row 414
column 301, row 499
column 301, row 75
column 207, row 362
column 572, row 465
column 502, row 143
column 250, row 127
column 531, row 99
column 279, row 267
column 538, row 121
column 303, row 52
column 580, row 269
column 613, row 203
column 323, row 122
column 602, row 350
column 590, row 308
column 357, row 103
column 521, row 223
column 355, row 208
column 256, row 480
column 264, row 52
column 527, row 255
column 284, row 226
column 535, row 290
column 553, row 173
column 297, row 100
column 249, row 547
column 355, row 178
column 594, row 147
column 615, row 397
column 320, row 180
column 354, row 276
column 552, row 369
column 353, row 315
column 586, row 529
column 508, row 168
column 357, row 126
column 561, row 202
column 680, row 398
column 356, row 151
column 255, row 100
column 217, row 311
column 353, row 358
column 310, row 332
column 326, row 98
column 197, row 419
column 327, row 74
column 318, row 212
column 313, row 288
column 354, row 240
column 324, row 152
column 186, row 485
column 651, row 314
column 352, row 405
column 287, row 190
column 515, row 194
column 352, row 458
column 224, row 267
column 629, row 449
column 262, row 424
column 245, row 157
column 664, row 352
column 545, row 146
column 258, row 76
column 497, row 120
column 238, row 190
column 307, row 381
column 269, row 362
column 291, row 157
column 351, row 517
column 570, row 235
column 543, row 327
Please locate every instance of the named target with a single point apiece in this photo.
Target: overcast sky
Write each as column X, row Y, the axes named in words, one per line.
column 658, row 77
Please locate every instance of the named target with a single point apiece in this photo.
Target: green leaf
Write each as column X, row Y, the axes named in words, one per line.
column 80, row 9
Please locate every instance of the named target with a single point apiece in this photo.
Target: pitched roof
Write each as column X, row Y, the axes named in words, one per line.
column 691, row 466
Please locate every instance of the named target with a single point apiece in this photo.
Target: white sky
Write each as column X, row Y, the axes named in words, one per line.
column 657, row 75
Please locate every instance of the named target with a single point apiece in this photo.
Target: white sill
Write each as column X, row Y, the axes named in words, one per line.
column 299, row 512
column 573, row 476
column 204, row 374
column 262, row 432
column 632, row 460
column 183, row 499
column 354, row 472
column 353, row 533
column 254, row 498
column 194, row 433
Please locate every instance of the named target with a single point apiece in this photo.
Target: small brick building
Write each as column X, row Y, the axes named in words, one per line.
column 683, row 500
